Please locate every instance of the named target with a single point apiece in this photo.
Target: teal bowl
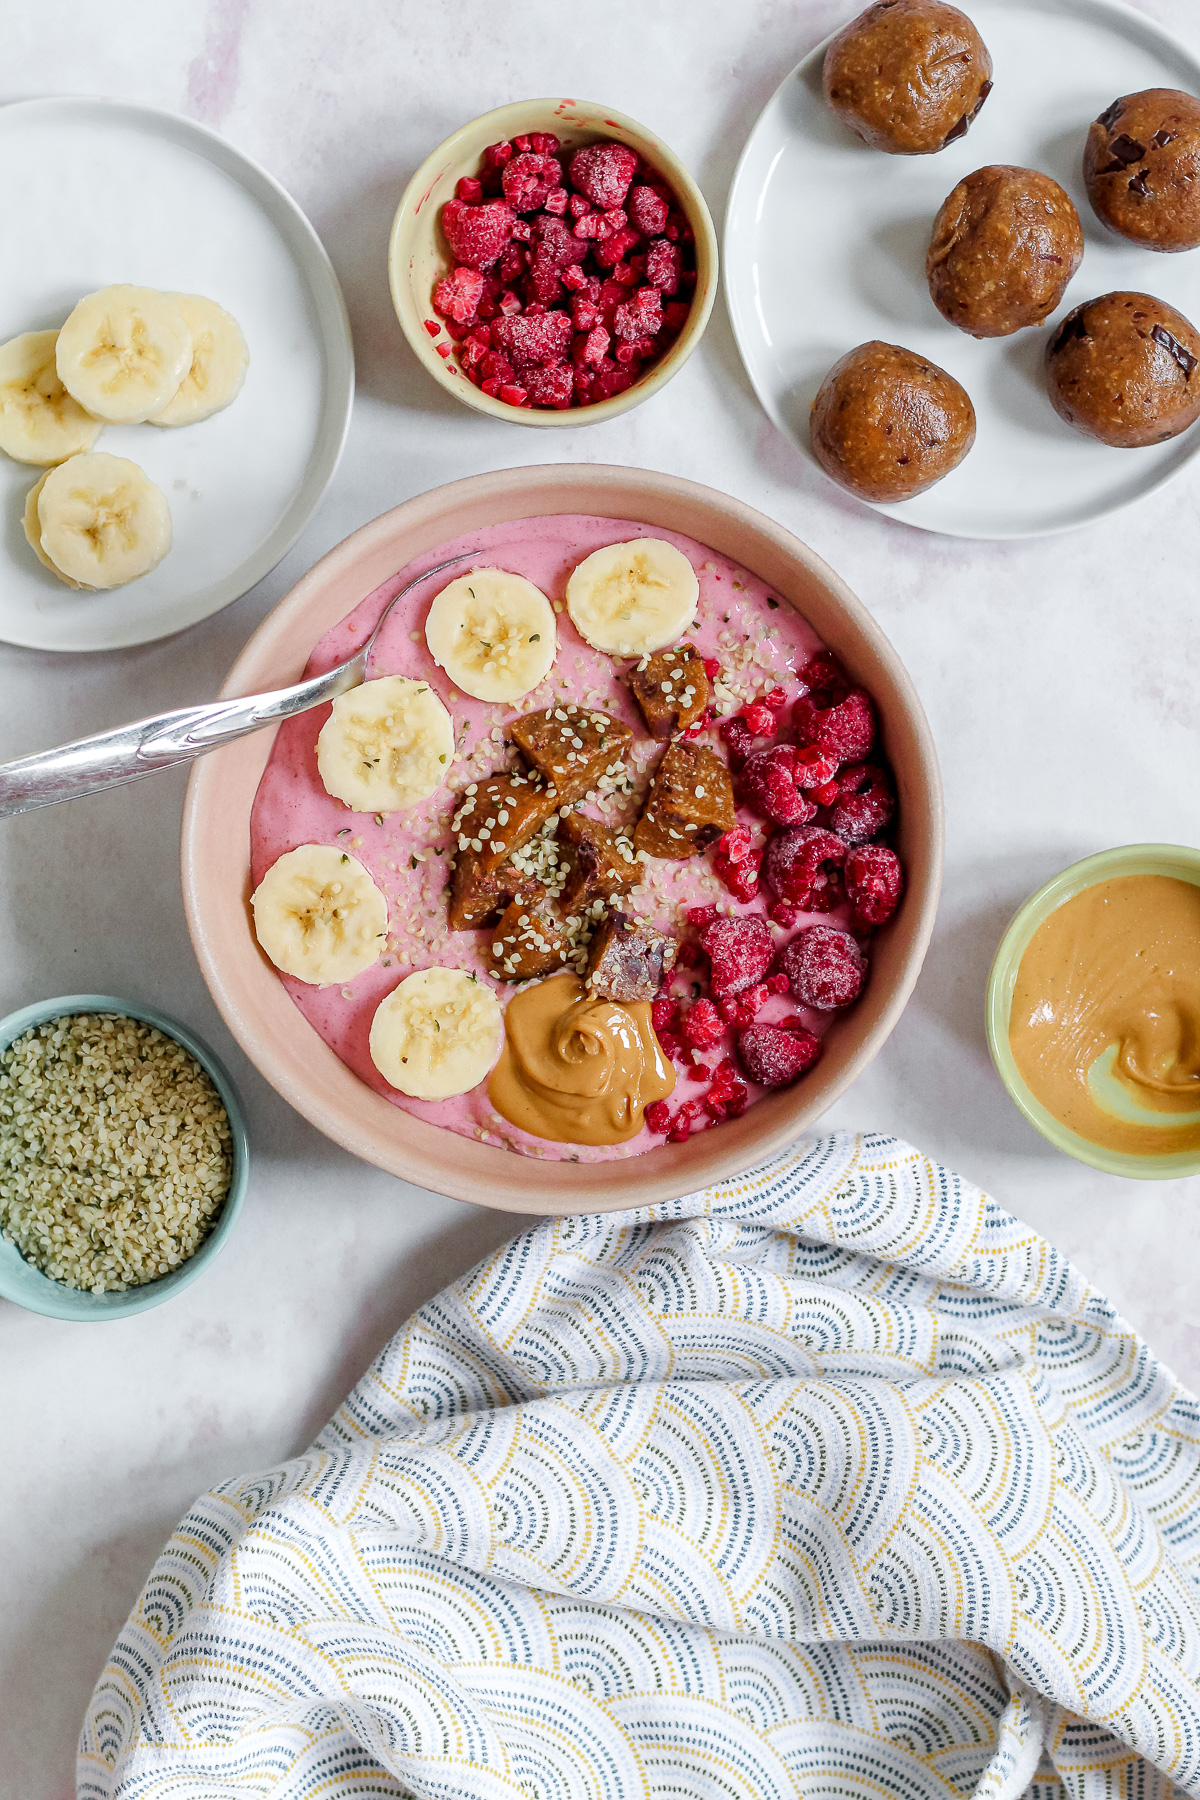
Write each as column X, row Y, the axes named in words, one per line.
column 26, row 1286
column 1178, row 860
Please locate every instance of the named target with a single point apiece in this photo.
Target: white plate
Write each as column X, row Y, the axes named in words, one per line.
column 96, row 191
column 825, row 246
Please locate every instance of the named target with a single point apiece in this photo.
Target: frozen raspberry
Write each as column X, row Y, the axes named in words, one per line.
column 846, row 729
column 740, row 951
column 600, row 225
column 776, row 698
column 528, row 179
column 512, row 264
column 737, row 863
column 496, row 155
column 664, row 1013
column 804, row 865
column 544, row 338
column 603, row 173
column 543, row 287
column 639, row 317
column 768, row 785
column 784, row 912
column 774, row 1057
column 590, row 346
column 657, row 1117
column 458, row 294
column 556, row 201
column 825, row 967
column 551, row 385
column 824, row 678
column 554, row 244
column 612, row 382
column 477, row 234
column 865, row 803
column 469, row 189
column 701, row 915
column 609, row 252
column 760, row 719
column 672, row 1045
column 512, row 393
column 702, row 1025
column 739, row 741
column 648, row 209
column 664, row 266
column 874, row 883
column 675, row 314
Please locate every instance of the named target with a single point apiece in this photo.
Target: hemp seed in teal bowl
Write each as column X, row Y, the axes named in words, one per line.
column 122, row 1158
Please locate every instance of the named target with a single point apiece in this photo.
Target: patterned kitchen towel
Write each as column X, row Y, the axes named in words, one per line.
column 833, row 1480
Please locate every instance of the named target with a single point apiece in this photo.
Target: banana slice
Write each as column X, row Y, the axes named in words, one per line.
column 219, row 362
column 493, row 633
column 33, row 531
column 319, row 916
column 385, row 745
column 437, row 1034
column 102, row 521
column 123, row 353
column 39, row 421
column 631, row 599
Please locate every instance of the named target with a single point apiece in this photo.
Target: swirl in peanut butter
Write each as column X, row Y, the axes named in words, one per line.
column 1105, row 1018
column 577, row 1070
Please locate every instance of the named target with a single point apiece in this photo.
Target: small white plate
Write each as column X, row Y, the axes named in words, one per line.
column 95, row 192
column 825, row 246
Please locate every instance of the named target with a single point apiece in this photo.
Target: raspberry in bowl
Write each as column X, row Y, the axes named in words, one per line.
column 553, row 263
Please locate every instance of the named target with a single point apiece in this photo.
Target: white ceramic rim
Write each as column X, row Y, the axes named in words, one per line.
column 337, row 347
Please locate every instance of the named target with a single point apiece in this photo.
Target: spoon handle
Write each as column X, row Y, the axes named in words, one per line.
column 128, row 752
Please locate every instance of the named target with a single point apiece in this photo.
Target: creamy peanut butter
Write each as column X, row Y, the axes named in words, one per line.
column 1105, row 1018
column 577, row 1070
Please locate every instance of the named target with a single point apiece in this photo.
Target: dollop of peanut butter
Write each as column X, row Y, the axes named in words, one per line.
column 577, row 1070
column 1105, row 1017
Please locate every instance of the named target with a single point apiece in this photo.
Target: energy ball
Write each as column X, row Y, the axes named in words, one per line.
column 908, row 75
column 1005, row 244
column 887, row 423
column 1123, row 369
column 1142, row 168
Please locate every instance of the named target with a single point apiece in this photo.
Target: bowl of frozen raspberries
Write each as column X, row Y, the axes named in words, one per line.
column 609, row 879
column 553, row 263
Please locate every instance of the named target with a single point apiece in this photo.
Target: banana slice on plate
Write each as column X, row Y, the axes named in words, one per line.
column 493, row 633
column 437, row 1034
column 102, row 522
column 123, row 353
column 39, row 421
column 33, row 531
column 319, row 916
column 219, row 363
column 385, row 745
column 631, row 599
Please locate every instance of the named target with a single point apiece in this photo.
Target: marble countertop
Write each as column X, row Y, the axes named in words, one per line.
column 1061, row 677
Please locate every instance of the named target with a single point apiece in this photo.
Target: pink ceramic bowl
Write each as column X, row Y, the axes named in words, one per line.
column 216, row 847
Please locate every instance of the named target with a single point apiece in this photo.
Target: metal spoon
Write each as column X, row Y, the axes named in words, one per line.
column 129, row 752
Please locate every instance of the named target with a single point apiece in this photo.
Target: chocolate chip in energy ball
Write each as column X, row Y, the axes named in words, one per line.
column 1141, row 166
column 908, row 76
column 887, row 423
column 1123, row 369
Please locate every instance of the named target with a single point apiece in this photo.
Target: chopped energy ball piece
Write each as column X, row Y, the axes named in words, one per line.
column 600, row 863
column 628, row 959
column 478, row 895
column 689, row 806
column 500, row 814
column 571, row 747
column 525, row 943
column 672, row 690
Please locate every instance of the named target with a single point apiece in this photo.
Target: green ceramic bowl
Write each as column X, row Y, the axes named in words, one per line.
column 27, row 1286
column 1130, row 859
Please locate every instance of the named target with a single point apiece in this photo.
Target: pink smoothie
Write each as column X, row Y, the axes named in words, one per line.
column 758, row 639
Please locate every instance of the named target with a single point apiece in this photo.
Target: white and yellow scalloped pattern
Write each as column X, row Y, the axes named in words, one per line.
column 832, row 1481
